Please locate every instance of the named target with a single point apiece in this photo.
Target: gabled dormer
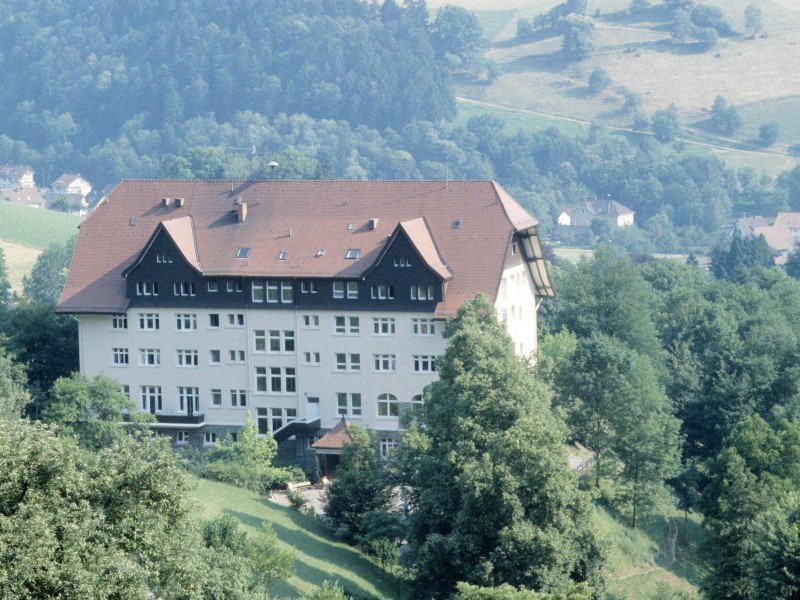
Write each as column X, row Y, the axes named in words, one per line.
column 409, row 272
column 167, row 270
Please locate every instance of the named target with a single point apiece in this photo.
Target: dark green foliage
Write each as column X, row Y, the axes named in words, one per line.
column 92, row 410
column 360, row 485
column 768, row 133
column 751, row 512
column 248, row 462
column 507, row 592
column 666, row 124
column 486, row 438
column 725, row 118
column 599, row 80
column 5, row 283
column 579, row 36
column 14, row 396
column 744, row 253
column 48, row 276
column 456, row 31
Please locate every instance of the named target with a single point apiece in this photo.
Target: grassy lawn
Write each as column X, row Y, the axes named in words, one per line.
column 33, row 227
column 19, row 262
column 637, row 568
column 318, row 555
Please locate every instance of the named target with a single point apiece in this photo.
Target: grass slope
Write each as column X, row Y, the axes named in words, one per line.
column 19, row 262
column 34, row 227
column 318, row 555
column 755, row 74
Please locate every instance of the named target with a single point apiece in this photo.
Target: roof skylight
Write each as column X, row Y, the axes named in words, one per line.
column 243, row 253
column 353, row 253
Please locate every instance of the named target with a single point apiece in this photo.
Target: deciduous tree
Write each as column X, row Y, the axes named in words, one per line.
column 486, row 438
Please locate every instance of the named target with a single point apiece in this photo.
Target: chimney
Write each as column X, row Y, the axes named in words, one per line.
column 179, row 202
column 166, row 201
column 373, row 223
column 241, row 211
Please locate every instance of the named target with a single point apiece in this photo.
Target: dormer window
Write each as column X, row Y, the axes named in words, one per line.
column 353, row 253
column 243, row 253
column 283, row 254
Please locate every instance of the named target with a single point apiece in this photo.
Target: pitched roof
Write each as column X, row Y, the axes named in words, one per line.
column 333, row 441
column 605, row 208
column 15, row 172
column 301, row 218
column 66, row 179
column 29, row 196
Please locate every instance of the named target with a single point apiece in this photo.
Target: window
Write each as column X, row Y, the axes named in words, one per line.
column 382, row 292
column 239, row 398
column 216, row 397
column 151, row 398
column 311, row 321
column 149, row 357
column 388, row 406
column 188, row 399
column 181, row 438
column 311, row 358
column 424, row 364
column 183, row 288
column 384, row 363
column 163, row 258
column 209, row 438
column 261, row 379
column 126, row 391
column 260, row 336
column 282, row 380
column 213, row 285
column 214, row 357
column 148, row 321
column 236, row 319
column 308, row 287
column 229, row 286
column 119, row 322
column 417, row 400
column 423, row 327
column 421, row 292
column 353, row 253
column 186, row 322
column 120, row 356
column 213, row 320
column 348, row 404
column 277, row 418
column 348, row 362
column 262, row 418
column 281, row 341
column 272, row 291
column 402, row 262
column 186, row 358
column 383, row 326
column 236, row 356
column 338, row 289
column 146, row 288
column 347, row 325
column 388, row 446
column 283, row 255
column 352, row 290
column 287, row 292
column 243, row 253
column 257, row 288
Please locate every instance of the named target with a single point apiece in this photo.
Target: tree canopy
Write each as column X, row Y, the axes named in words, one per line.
column 486, row 437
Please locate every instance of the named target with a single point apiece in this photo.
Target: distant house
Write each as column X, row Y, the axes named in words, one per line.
column 583, row 213
column 28, row 196
column 72, row 185
column 16, row 176
column 782, row 236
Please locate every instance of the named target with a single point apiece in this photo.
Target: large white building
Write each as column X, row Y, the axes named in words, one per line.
column 297, row 301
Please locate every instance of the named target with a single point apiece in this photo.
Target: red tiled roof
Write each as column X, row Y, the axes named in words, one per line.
column 335, row 439
column 300, row 218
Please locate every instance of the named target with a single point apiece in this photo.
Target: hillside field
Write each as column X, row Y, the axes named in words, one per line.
column 35, row 228
column 758, row 75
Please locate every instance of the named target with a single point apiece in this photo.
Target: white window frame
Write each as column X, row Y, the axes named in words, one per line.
column 257, row 291
column 188, row 395
column 424, row 363
column 384, row 363
column 273, row 292
column 348, row 361
column 151, row 392
column 388, row 406
column 216, row 397
column 119, row 322
column 310, row 321
column 287, row 292
column 186, row 358
column 338, row 289
column 121, row 357
column 311, row 359
column 149, row 357
column 148, row 322
column 349, row 404
column 186, row 322
column 383, row 326
column 352, row 290
column 423, row 327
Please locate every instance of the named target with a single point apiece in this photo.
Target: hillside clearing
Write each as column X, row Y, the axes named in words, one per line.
column 19, row 262
column 319, row 556
column 34, row 227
